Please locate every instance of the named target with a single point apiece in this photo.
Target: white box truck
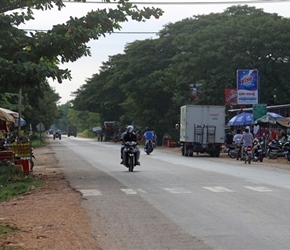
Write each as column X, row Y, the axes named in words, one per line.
column 202, row 129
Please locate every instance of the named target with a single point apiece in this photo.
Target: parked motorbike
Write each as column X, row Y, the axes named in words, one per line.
column 275, row 149
column 286, row 148
column 258, row 154
column 149, row 146
column 231, row 149
column 248, row 154
column 131, row 155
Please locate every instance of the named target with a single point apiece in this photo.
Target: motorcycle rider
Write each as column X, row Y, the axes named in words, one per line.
column 246, row 139
column 237, row 139
column 149, row 135
column 129, row 135
column 237, row 136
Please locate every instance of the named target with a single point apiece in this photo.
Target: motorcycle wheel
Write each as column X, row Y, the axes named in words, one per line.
column 249, row 159
column 131, row 164
column 261, row 158
column 271, row 155
column 232, row 154
column 288, row 157
column 31, row 165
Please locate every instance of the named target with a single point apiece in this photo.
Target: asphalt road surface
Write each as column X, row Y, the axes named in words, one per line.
column 177, row 202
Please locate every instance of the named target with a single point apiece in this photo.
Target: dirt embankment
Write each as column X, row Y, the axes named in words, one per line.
column 50, row 217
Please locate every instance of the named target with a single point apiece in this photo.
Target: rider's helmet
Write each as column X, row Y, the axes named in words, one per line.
column 130, row 129
column 246, row 130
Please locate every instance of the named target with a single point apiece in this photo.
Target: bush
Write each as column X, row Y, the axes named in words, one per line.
column 88, row 134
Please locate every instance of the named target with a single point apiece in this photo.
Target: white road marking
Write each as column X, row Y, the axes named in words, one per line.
column 255, row 182
column 218, row 189
column 128, row 191
column 141, row 191
column 90, row 192
column 259, row 189
column 178, row 190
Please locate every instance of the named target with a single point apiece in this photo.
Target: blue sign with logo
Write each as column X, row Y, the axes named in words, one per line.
column 247, row 86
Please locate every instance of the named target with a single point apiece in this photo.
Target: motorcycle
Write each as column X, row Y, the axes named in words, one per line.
column 234, row 151
column 275, row 149
column 258, row 154
column 131, row 154
column 286, row 148
column 149, row 146
column 248, row 154
column 238, row 150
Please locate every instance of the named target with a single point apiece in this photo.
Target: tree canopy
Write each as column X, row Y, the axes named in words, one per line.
column 28, row 58
column 151, row 80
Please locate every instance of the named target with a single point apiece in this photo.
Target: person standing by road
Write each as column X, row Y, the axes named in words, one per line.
column 229, row 138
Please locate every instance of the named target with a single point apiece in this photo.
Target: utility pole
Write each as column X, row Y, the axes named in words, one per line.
column 19, row 111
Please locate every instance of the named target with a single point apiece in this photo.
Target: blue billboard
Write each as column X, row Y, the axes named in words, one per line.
column 247, row 86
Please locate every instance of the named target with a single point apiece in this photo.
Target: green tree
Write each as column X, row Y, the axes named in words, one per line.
column 40, row 105
column 215, row 46
column 26, row 59
column 151, row 80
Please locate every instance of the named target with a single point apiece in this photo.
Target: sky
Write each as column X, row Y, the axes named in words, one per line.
column 85, row 67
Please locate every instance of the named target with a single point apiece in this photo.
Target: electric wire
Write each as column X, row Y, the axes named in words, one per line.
column 189, row 3
column 115, row 32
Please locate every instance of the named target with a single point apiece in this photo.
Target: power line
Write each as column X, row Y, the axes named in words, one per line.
column 190, row 3
column 116, row 32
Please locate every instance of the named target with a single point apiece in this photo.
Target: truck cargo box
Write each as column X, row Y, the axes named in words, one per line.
column 202, row 128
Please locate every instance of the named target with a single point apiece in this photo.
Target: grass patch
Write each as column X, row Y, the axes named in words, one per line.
column 6, row 230
column 36, row 142
column 14, row 183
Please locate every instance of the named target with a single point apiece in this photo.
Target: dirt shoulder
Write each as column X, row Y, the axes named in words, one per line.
column 50, row 217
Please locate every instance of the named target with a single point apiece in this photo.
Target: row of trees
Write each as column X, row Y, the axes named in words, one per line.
column 28, row 59
column 149, row 82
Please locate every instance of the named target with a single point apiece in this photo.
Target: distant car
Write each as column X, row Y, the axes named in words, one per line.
column 57, row 134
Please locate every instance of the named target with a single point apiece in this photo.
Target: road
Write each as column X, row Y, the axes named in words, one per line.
column 176, row 202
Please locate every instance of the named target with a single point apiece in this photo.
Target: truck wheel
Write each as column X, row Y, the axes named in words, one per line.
column 184, row 151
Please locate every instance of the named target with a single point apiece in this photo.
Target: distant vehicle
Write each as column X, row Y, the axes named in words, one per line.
column 71, row 130
column 111, row 130
column 202, row 129
column 57, row 134
column 50, row 132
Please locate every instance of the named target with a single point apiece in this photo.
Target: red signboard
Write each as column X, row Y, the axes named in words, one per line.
column 230, row 97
